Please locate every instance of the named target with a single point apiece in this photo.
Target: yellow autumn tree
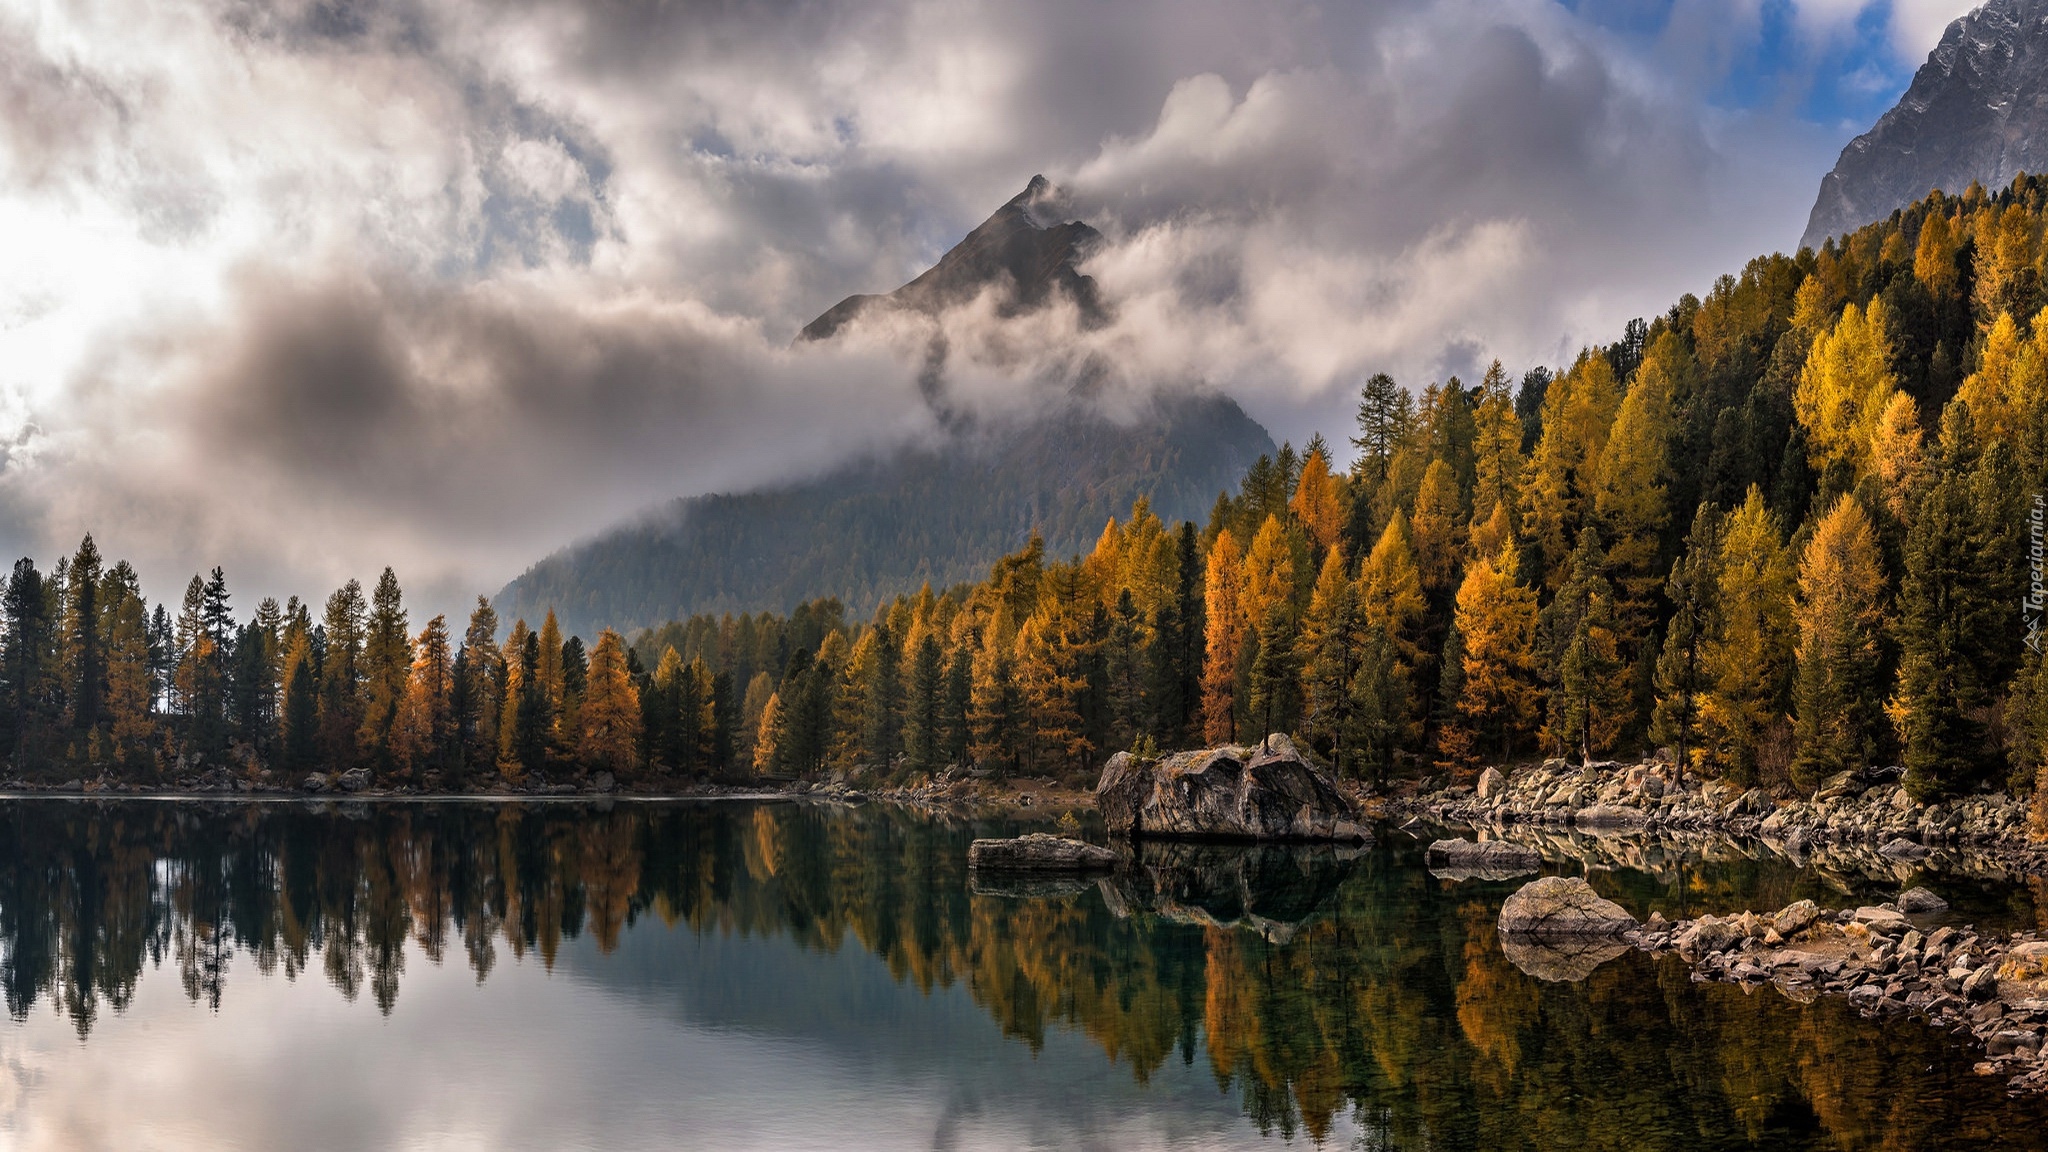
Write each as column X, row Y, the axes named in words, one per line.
column 1268, row 571
column 1224, row 638
column 1496, row 454
column 1839, row 693
column 1844, row 388
column 1898, row 456
column 765, row 733
column 2007, row 279
column 1749, row 649
column 1629, row 495
column 1438, row 530
column 422, row 730
column 1934, row 258
column 2011, row 378
column 610, row 715
column 1578, row 411
column 1496, row 711
column 1317, row 502
column 1390, row 591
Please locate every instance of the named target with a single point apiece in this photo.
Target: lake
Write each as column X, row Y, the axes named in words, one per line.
column 739, row 974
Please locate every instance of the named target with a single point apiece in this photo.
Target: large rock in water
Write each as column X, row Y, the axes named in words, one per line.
column 1039, row 852
column 1266, row 792
column 1562, row 906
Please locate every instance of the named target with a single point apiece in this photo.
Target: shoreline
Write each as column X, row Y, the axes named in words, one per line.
column 1887, row 964
column 1859, row 814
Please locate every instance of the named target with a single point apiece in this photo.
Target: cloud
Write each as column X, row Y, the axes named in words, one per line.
column 309, row 287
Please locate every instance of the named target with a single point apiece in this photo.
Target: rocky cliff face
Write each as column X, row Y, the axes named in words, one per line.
column 1024, row 251
column 1977, row 110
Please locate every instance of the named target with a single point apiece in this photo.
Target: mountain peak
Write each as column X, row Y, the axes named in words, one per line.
column 1025, row 251
column 1973, row 112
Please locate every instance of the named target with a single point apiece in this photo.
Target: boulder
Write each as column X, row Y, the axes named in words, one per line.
column 1904, row 849
column 1562, row 906
column 1609, row 816
column 1491, row 783
column 1708, row 934
column 1795, row 917
column 1920, row 900
column 1265, row 792
column 315, row 783
column 354, row 780
column 1481, row 860
column 1881, row 920
column 604, row 782
column 1039, row 852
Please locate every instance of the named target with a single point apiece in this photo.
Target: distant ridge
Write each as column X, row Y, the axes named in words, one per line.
column 883, row 526
column 1976, row 110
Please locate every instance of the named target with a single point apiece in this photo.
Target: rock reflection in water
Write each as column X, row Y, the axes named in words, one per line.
column 1331, row 994
column 1561, row 960
column 1271, row 889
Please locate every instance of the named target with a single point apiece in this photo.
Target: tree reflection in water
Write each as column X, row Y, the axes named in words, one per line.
column 1313, row 983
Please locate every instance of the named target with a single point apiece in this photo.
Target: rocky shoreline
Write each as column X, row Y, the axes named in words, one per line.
column 1867, row 810
column 1887, row 962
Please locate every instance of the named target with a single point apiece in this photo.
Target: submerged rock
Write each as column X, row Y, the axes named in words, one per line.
column 1039, row 852
column 1481, row 859
column 1562, row 906
column 1266, row 792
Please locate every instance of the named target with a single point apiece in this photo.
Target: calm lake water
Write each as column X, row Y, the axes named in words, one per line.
column 783, row 975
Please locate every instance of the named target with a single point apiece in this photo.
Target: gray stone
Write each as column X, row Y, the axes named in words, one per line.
column 315, row 783
column 1981, row 984
column 1481, row 860
column 1920, row 900
column 1707, row 935
column 1795, row 917
column 1608, row 816
column 1039, row 852
column 354, row 780
column 1904, row 849
column 1881, row 920
column 1491, row 783
column 1562, row 906
column 1265, row 792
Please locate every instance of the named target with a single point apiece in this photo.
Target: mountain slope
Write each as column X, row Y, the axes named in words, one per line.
column 940, row 513
column 1973, row 112
column 885, row 526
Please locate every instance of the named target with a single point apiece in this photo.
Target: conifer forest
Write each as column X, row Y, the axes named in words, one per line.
column 1787, row 528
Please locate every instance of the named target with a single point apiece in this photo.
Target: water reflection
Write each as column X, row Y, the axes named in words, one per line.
column 1327, row 995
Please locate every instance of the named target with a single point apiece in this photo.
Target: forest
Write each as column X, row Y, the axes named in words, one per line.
column 1786, row 530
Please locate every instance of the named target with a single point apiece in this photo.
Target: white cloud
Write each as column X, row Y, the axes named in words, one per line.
column 306, row 288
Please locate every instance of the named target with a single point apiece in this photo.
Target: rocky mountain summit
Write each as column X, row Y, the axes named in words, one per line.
column 1976, row 110
column 1025, row 252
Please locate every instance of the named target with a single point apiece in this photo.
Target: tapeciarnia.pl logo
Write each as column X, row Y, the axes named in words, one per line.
column 2037, row 560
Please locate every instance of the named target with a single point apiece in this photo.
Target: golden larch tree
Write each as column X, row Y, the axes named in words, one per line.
column 1223, row 639
column 611, row 708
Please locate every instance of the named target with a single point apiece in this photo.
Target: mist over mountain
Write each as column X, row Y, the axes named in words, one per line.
column 1973, row 112
column 938, row 512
